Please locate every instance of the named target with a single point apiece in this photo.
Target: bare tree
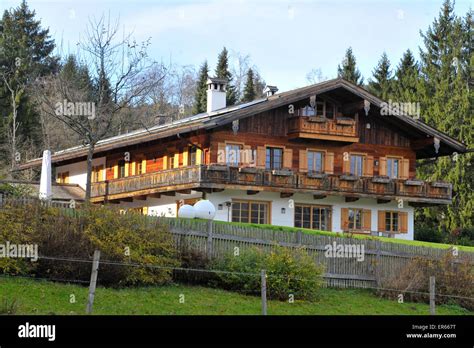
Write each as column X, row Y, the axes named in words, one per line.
column 16, row 90
column 119, row 68
column 315, row 76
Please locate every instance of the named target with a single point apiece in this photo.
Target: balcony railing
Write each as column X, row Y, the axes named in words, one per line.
column 220, row 176
column 310, row 127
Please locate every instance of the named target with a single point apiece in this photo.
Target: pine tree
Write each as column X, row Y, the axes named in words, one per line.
column 349, row 70
column 446, row 103
column 200, row 98
column 381, row 85
column 222, row 72
column 406, row 80
column 26, row 53
column 249, row 89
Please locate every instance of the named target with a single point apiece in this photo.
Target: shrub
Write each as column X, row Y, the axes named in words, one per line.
column 452, row 278
column 129, row 238
column 289, row 271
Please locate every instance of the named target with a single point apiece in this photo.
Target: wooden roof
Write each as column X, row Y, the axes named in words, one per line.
column 340, row 88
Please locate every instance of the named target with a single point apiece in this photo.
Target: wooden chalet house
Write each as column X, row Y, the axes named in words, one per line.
column 320, row 157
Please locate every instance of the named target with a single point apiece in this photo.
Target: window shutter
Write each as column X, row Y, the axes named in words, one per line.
column 383, row 166
column 66, row 178
column 221, row 153
column 134, row 168
column 127, row 168
column 145, row 210
column 116, row 171
column 165, row 162
column 185, row 158
column 288, row 158
column 345, row 219
column 101, row 173
column 369, row 166
column 329, row 162
column 246, row 155
column 198, row 156
column 176, row 160
column 261, row 156
column 404, row 168
column 346, row 164
column 381, row 221
column 303, row 161
column 403, row 222
column 367, row 220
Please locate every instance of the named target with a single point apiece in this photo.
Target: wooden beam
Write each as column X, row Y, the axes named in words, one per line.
column 286, row 194
column 140, row 198
column 252, row 192
column 351, row 199
column 126, row 199
column 114, row 201
column 217, row 189
column 204, row 189
column 169, row 193
column 319, row 196
column 186, row 192
column 155, row 195
column 383, row 201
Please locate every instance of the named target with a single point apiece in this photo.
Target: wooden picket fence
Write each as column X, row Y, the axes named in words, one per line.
column 381, row 259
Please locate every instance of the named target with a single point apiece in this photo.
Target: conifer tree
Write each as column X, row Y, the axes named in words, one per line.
column 381, row 84
column 249, row 89
column 348, row 70
column 200, row 98
column 446, row 103
column 223, row 72
column 406, row 79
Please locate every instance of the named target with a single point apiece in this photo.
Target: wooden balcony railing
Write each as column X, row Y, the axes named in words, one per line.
column 309, row 127
column 220, row 176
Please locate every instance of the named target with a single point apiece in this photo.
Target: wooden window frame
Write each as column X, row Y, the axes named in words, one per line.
column 391, row 213
column 250, row 202
column 323, row 159
column 97, row 170
column 399, row 159
column 272, row 147
column 239, row 159
column 312, row 206
column 62, row 177
column 364, row 159
column 361, row 210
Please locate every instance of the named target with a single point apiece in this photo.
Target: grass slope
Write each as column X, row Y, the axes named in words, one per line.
column 42, row 297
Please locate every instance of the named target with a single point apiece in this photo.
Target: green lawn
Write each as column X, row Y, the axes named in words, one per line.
column 41, row 297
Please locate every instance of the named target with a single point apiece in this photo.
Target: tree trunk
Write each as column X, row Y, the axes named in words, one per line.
column 90, row 154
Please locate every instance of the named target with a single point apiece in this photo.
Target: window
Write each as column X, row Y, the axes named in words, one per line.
column 121, row 169
column 139, row 167
column 313, row 217
column 170, row 162
column 232, row 154
column 320, row 108
column 63, row 178
column 192, row 156
column 357, row 165
column 330, row 110
column 315, row 161
column 250, row 212
column 274, row 158
column 392, row 167
column 391, row 221
column 355, row 219
column 96, row 173
column 308, row 111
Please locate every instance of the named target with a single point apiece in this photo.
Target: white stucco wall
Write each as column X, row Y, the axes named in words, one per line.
column 78, row 171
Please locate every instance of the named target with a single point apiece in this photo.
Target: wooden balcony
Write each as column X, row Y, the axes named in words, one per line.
column 218, row 177
column 340, row 129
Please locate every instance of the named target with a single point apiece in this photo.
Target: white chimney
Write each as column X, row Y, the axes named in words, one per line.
column 45, row 182
column 216, row 94
column 270, row 90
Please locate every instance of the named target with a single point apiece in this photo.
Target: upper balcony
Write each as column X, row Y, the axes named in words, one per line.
column 219, row 177
column 312, row 127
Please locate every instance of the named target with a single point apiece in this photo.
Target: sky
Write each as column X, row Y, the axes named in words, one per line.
column 284, row 39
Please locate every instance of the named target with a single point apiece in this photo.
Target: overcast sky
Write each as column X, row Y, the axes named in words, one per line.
column 285, row 39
